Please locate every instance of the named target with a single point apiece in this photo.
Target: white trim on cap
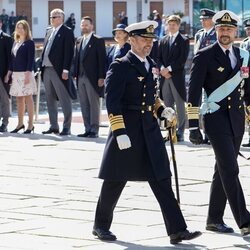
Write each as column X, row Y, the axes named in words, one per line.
column 221, row 13
column 141, row 25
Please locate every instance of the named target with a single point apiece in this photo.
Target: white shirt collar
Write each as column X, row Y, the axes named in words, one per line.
column 224, row 50
column 88, row 36
column 208, row 31
column 1, row 31
column 174, row 35
column 145, row 60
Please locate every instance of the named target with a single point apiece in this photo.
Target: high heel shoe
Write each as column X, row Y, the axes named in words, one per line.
column 28, row 131
column 17, row 129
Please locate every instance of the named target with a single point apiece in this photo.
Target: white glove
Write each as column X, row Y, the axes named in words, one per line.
column 123, row 142
column 169, row 114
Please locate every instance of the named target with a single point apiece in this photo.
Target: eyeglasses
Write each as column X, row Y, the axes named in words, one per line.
column 53, row 17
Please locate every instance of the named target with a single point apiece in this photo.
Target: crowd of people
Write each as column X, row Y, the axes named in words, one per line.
column 135, row 75
column 9, row 21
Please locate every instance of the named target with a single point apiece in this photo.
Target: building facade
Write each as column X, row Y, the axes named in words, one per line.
column 105, row 13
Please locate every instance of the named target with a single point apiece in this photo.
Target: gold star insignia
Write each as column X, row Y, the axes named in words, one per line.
column 220, row 69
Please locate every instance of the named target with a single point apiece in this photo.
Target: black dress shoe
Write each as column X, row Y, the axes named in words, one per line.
column 84, row 135
column 3, row 128
column 245, row 230
column 51, row 131
column 92, row 135
column 65, row 131
column 246, row 144
column 184, row 235
column 219, row 227
column 104, row 234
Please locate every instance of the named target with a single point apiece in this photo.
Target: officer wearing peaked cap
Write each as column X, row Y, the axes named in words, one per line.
column 222, row 71
column 207, row 35
column 135, row 149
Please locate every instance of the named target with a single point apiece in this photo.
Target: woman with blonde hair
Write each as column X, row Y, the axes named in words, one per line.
column 21, row 70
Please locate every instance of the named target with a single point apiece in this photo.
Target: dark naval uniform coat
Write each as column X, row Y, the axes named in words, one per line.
column 201, row 40
column 224, row 127
column 129, row 90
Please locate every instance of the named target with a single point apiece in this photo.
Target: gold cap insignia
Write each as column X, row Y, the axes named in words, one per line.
column 203, row 13
column 150, row 29
column 226, row 18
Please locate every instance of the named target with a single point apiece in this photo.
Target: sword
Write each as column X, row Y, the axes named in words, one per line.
column 174, row 164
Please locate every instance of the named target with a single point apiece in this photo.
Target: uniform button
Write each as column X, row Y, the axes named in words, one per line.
column 239, row 90
column 143, row 103
column 239, row 106
column 144, row 94
column 229, row 98
column 240, row 98
column 229, row 106
column 142, row 111
column 144, row 86
column 154, row 95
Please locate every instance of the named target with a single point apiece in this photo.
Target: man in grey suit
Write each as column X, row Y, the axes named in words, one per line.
column 56, row 62
column 5, row 55
column 90, row 57
column 173, row 53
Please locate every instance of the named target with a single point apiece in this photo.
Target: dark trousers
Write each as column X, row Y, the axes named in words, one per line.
column 225, row 184
column 111, row 191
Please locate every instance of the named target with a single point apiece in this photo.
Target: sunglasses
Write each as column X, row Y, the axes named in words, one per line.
column 53, row 17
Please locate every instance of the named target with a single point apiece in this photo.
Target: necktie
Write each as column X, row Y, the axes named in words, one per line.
column 84, row 43
column 228, row 58
column 171, row 41
column 50, row 40
column 46, row 61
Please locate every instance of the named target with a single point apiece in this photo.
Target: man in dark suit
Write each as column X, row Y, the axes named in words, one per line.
column 5, row 55
column 56, row 63
column 172, row 56
column 135, row 149
column 90, row 57
column 221, row 70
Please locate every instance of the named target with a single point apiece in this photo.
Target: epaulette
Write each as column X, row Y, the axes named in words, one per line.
column 246, row 39
column 199, row 31
column 118, row 59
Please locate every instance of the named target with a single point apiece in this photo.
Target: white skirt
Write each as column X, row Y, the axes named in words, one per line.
column 18, row 88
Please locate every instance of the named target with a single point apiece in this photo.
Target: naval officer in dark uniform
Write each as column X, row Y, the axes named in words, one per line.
column 246, row 45
column 135, row 149
column 220, row 70
column 207, row 35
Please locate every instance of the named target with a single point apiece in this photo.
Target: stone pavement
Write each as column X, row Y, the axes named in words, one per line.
column 49, row 190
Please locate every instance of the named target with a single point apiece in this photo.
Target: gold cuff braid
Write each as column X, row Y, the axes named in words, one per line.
column 192, row 112
column 116, row 122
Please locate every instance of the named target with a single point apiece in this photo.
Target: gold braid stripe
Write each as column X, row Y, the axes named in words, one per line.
column 116, row 122
column 192, row 112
